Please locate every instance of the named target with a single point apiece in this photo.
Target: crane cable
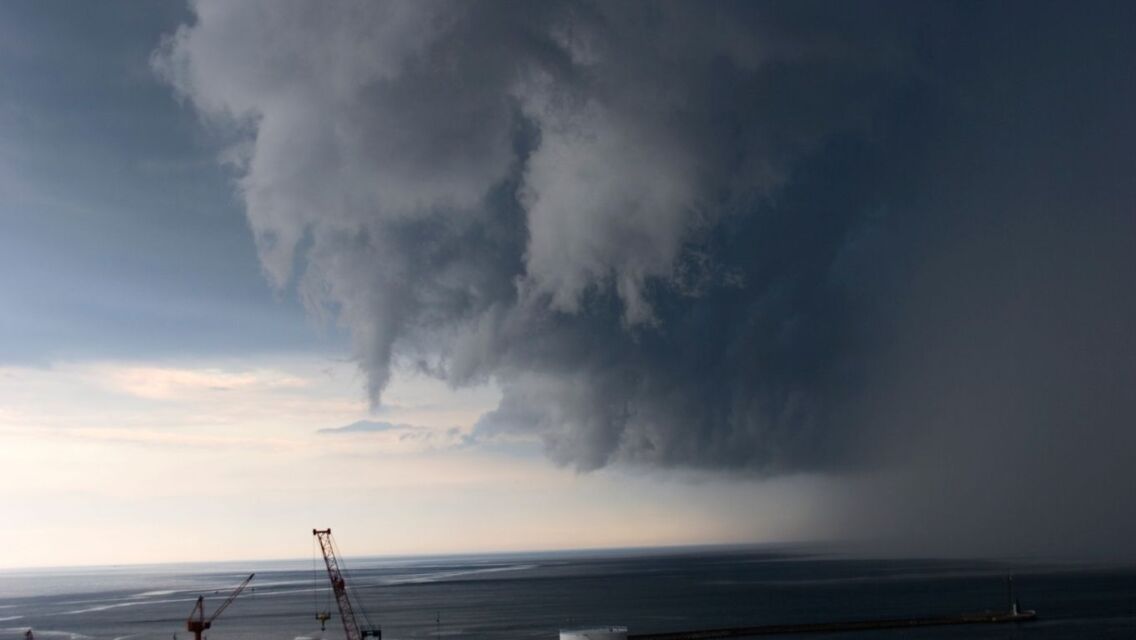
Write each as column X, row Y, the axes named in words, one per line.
column 350, row 580
column 315, row 585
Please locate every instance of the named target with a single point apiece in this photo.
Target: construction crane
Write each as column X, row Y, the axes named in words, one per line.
column 339, row 588
column 197, row 621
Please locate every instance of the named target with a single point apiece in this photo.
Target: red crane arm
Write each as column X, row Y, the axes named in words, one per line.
column 338, row 586
column 232, row 596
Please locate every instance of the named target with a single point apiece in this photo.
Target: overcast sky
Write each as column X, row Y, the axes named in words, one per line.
column 454, row 276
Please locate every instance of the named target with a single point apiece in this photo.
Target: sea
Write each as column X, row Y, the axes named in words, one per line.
column 534, row 595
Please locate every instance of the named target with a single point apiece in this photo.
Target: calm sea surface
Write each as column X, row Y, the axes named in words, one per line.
column 533, row 595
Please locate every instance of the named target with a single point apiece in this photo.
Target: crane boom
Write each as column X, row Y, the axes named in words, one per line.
column 197, row 621
column 232, row 596
column 339, row 588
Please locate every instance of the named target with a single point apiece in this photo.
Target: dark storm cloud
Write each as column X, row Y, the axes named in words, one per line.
column 768, row 237
column 624, row 214
column 1004, row 391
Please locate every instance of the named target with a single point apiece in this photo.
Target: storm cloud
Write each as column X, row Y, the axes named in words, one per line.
column 759, row 237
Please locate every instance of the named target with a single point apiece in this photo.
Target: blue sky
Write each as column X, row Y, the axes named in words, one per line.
column 123, row 237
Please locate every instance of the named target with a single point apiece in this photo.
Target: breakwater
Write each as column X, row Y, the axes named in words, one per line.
column 836, row 627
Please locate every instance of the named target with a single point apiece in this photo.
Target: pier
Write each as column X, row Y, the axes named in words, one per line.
column 999, row 617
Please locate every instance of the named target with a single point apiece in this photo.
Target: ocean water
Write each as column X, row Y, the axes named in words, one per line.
column 531, row 596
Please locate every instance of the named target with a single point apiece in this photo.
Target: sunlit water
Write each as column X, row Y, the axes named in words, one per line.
column 533, row 595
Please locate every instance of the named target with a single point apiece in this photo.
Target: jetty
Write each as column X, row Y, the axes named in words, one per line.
column 987, row 617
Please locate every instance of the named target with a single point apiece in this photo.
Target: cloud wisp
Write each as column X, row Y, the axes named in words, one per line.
column 370, row 426
column 404, row 437
column 766, row 238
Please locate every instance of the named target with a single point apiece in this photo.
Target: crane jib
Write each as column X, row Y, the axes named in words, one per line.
column 197, row 621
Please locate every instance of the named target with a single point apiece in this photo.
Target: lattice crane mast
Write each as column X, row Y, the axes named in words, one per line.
column 339, row 588
column 197, row 621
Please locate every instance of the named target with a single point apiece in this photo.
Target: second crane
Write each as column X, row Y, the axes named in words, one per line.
column 339, row 588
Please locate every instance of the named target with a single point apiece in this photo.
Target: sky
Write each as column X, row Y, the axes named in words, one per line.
column 485, row 276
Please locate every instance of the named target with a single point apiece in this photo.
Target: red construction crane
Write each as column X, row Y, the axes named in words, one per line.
column 339, row 588
column 200, row 623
